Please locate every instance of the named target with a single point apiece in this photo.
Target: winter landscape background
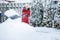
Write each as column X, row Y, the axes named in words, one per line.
column 44, row 21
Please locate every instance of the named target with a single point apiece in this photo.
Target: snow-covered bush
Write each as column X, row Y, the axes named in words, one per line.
column 10, row 13
column 3, row 17
column 57, row 25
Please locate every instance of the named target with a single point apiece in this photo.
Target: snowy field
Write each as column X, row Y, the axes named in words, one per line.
column 17, row 30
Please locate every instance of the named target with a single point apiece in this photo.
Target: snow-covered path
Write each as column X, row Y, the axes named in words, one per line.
column 17, row 30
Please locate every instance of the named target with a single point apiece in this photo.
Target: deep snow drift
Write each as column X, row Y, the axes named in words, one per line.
column 17, row 30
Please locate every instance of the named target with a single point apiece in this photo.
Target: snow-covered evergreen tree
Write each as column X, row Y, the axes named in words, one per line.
column 36, row 14
column 50, row 18
column 57, row 17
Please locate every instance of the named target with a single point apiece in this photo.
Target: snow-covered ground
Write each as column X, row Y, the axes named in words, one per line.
column 17, row 30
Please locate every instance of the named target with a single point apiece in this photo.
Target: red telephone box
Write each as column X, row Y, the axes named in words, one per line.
column 25, row 15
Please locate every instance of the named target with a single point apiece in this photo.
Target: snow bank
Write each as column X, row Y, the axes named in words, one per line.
column 11, row 12
column 16, row 25
column 17, row 30
column 47, row 30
